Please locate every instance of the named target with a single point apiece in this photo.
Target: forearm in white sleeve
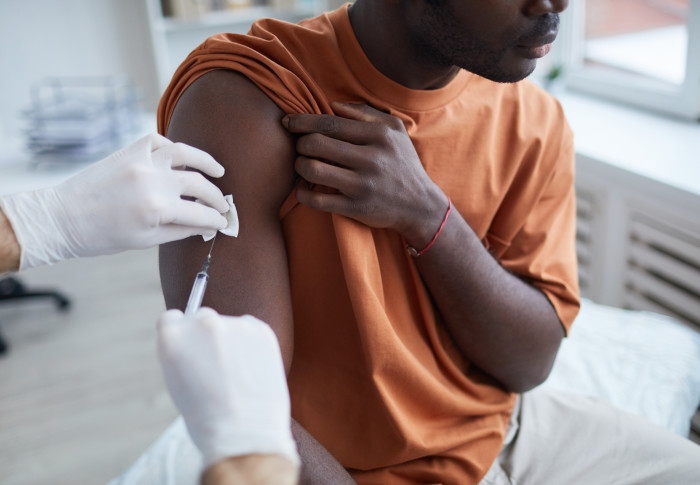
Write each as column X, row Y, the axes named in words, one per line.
column 132, row 199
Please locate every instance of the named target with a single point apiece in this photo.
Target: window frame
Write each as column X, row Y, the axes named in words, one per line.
column 679, row 100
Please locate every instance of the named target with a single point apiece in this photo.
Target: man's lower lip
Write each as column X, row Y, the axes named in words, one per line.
column 535, row 52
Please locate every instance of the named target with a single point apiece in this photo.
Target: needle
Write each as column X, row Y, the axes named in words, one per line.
column 200, row 284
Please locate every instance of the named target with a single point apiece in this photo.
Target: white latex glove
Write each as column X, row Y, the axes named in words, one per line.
column 129, row 200
column 225, row 375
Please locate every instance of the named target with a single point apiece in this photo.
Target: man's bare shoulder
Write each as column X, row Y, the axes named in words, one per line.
column 228, row 116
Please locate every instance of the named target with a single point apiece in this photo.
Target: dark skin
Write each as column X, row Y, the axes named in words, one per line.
column 498, row 321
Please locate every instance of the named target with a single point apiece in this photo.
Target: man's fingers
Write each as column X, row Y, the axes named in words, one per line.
column 336, row 203
column 339, row 152
column 193, row 184
column 359, row 112
column 317, row 172
column 179, row 155
column 349, row 130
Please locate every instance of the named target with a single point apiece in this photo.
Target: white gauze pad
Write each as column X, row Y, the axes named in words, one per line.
column 231, row 216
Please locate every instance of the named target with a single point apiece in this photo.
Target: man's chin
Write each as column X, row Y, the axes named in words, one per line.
column 513, row 74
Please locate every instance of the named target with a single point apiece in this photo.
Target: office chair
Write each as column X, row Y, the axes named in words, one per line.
column 12, row 289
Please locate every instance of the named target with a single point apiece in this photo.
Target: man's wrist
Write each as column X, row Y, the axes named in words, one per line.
column 254, row 469
column 10, row 250
column 426, row 225
column 417, row 252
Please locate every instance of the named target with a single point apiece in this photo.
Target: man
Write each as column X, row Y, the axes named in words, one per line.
column 408, row 230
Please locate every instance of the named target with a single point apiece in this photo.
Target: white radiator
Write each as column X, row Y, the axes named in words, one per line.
column 663, row 269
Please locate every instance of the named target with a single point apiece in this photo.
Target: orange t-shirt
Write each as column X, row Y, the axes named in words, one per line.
column 375, row 377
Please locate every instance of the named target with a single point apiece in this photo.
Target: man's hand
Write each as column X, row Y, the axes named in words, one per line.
column 132, row 199
column 369, row 159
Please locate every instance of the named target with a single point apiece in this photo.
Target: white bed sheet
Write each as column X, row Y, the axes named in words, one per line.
column 642, row 362
column 645, row 363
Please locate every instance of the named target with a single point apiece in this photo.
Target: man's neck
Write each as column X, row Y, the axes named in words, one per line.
column 384, row 38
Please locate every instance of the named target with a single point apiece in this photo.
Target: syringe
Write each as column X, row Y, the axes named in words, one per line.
column 200, row 284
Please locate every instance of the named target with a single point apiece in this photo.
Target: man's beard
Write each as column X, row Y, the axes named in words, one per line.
column 441, row 42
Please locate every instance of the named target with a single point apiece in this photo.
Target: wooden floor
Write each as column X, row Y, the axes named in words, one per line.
column 81, row 394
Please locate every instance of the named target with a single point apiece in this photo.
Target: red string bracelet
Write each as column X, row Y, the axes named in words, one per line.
column 414, row 252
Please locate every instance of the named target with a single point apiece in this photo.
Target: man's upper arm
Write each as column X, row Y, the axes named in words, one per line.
column 229, row 117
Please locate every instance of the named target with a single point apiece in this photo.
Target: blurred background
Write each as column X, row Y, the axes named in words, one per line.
column 81, row 394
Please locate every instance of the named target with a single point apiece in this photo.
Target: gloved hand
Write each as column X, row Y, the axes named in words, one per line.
column 129, row 200
column 226, row 377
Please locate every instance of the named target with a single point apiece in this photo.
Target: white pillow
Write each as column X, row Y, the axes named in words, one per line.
column 642, row 362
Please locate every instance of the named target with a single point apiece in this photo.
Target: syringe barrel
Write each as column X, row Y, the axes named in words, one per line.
column 197, row 294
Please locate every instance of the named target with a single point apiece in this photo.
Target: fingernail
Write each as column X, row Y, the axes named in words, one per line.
column 285, row 121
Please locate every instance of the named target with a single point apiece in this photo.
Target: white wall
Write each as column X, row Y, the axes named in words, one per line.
column 41, row 38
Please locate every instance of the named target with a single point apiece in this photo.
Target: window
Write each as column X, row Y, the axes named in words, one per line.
column 642, row 52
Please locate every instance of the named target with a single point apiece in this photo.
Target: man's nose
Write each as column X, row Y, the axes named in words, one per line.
column 535, row 8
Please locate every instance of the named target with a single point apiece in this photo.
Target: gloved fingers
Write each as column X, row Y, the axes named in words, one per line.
column 210, row 324
column 141, row 150
column 172, row 323
column 255, row 328
column 174, row 232
column 155, row 141
column 169, row 332
column 250, row 320
column 174, row 327
column 176, row 317
column 258, row 334
column 205, row 312
column 193, row 184
column 169, row 317
column 193, row 214
column 180, row 155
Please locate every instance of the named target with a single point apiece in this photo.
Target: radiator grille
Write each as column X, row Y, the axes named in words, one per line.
column 663, row 270
column 585, row 204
